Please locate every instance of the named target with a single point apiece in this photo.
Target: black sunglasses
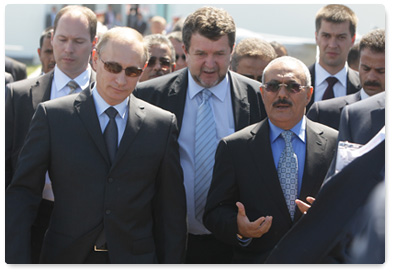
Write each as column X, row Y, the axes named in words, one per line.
column 258, row 78
column 115, row 68
column 291, row 87
column 164, row 62
column 182, row 56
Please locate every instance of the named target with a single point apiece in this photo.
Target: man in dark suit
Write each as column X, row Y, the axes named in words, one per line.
column 335, row 35
column 250, row 179
column 116, row 177
column 73, row 39
column 232, row 102
column 372, row 78
column 15, row 68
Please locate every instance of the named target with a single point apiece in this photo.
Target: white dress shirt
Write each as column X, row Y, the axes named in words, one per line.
column 340, row 87
column 221, row 104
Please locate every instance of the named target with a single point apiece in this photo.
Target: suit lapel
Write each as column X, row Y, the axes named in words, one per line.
column 86, row 110
column 176, row 97
column 41, row 91
column 240, row 104
column 260, row 148
column 136, row 117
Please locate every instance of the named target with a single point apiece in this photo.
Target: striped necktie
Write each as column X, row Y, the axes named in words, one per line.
column 73, row 86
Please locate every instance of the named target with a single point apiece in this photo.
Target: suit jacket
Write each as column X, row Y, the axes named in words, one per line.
column 15, row 68
column 325, row 225
column 244, row 171
column 328, row 112
column 139, row 200
column 169, row 92
column 353, row 83
column 22, row 99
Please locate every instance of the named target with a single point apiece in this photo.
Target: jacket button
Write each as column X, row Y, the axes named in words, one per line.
column 108, row 211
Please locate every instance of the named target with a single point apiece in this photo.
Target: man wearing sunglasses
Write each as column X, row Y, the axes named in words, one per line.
column 210, row 102
column 251, row 56
column 73, row 39
column 175, row 38
column 162, row 57
column 114, row 163
column 261, row 170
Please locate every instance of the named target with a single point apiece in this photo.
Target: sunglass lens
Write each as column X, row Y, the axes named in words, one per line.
column 112, row 67
column 133, row 71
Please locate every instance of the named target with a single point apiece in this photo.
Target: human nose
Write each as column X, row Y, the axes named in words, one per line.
column 282, row 91
column 121, row 78
column 210, row 61
column 69, row 46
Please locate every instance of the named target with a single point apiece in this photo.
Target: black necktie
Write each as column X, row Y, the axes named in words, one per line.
column 111, row 133
column 328, row 94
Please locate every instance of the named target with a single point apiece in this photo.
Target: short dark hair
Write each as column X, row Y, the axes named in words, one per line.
column 47, row 33
column 210, row 22
column 336, row 14
column 373, row 40
column 90, row 15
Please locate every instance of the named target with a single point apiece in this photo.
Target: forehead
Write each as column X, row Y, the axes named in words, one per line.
column 253, row 64
column 285, row 71
column 372, row 57
column 336, row 28
column 200, row 42
column 160, row 50
column 73, row 24
column 128, row 53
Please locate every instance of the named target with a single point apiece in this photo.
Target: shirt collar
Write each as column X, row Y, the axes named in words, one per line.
column 321, row 74
column 61, row 79
column 218, row 91
column 299, row 130
column 102, row 105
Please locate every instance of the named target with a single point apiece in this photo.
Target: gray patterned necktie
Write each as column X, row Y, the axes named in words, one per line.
column 205, row 146
column 73, row 86
column 288, row 172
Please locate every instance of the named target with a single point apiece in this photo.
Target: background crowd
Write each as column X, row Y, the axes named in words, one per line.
column 216, row 152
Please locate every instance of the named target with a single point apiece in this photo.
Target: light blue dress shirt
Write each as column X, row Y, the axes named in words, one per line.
column 298, row 144
column 221, row 104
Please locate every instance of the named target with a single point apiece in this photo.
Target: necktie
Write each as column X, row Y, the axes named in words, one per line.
column 73, row 86
column 111, row 133
column 288, row 172
column 328, row 94
column 205, row 146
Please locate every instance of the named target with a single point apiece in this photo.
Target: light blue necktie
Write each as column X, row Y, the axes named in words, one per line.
column 205, row 146
column 288, row 172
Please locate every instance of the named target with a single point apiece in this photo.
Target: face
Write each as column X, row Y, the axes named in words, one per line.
column 72, row 45
column 372, row 71
column 252, row 67
column 285, row 109
column 180, row 55
column 161, row 54
column 46, row 55
column 208, row 60
column 334, row 41
column 114, row 88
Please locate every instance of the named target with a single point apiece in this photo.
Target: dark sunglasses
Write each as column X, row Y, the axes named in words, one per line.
column 115, row 68
column 164, row 62
column 291, row 87
column 182, row 56
column 259, row 78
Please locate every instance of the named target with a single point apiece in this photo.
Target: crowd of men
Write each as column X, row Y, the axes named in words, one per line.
column 187, row 148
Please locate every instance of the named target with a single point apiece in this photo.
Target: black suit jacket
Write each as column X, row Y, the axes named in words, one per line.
column 326, row 223
column 244, row 171
column 328, row 112
column 169, row 92
column 15, row 68
column 22, row 99
column 139, row 200
column 353, row 83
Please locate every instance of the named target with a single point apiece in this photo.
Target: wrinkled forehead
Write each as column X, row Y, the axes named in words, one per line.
column 285, row 72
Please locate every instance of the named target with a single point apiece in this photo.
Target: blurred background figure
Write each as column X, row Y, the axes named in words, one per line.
column 109, row 17
column 136, row 20
column 162, row 57
column 175, row 38
column 45, row 51
column 280, row 49
column 251, row 56
column 353, row 57
column 50, row 18
column 158, row 25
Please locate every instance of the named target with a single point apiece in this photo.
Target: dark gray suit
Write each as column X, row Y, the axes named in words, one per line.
column 245, row 171
column 328, row 112
column 353, row 83
column 139, row 199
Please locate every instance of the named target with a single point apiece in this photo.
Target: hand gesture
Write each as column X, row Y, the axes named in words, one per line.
column 252, row 229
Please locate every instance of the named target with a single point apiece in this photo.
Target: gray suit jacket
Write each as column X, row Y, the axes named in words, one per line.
column 169, row 92
column 139, row 199
column 22, row 99
column 244, row 171
column 328, row 112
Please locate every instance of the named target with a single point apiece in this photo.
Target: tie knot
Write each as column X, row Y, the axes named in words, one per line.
column 287, row 135
column 331, row 81
column 206, row 94
column 111, row 112
column 72, row 85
